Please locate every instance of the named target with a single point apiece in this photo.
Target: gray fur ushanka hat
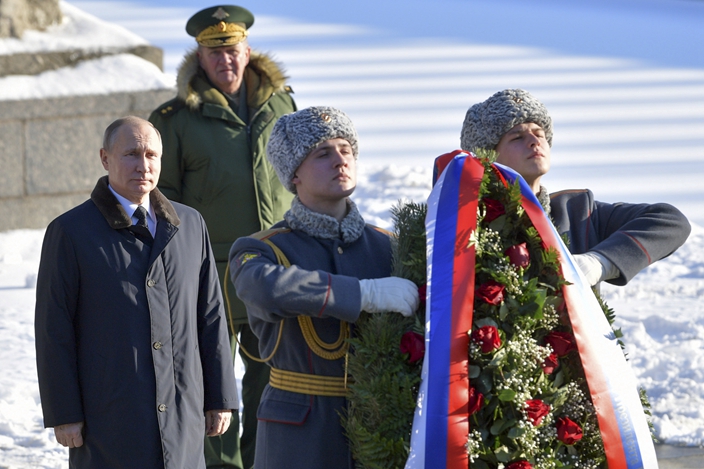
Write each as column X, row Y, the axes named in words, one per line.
column 295, row 135
column 485, row 123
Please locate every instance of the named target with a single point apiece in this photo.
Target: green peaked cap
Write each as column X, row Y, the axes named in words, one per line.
column 212, row 17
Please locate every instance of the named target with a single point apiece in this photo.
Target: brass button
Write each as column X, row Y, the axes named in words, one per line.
column 162, row 407
column 151, row 282
column 339, row 249
column 157, row 345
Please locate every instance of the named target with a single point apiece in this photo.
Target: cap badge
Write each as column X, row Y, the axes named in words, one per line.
column 325, row 117
column 517, row 100
column 222, row 27
column 220, row 14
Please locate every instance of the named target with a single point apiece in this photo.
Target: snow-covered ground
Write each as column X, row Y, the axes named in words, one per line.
column 661, row 313
column 623, row 79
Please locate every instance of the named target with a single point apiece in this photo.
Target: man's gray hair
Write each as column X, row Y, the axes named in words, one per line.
column 111, row 131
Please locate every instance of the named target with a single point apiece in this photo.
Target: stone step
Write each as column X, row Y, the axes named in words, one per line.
column 680, row 457
column 34, row 63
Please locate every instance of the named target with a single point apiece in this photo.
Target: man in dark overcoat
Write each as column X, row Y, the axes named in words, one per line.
column 133, row 355
column 610, row 242
column 302, row 312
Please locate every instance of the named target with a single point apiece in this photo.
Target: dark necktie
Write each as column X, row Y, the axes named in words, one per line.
column 141, row 228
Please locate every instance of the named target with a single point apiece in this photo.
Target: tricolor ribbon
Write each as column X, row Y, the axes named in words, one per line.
column 441, row 421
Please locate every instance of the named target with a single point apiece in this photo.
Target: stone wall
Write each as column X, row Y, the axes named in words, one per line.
column 16, row 16
column 50, row 151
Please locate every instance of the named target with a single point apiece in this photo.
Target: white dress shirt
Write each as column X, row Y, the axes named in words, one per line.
column 130, row 208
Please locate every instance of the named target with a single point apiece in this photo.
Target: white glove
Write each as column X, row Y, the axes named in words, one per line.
column 596, row 267
column 382, row 295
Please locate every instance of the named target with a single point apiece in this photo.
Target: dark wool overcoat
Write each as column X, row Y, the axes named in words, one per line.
column 632, row 236
column 300, row 431
column 131, row 340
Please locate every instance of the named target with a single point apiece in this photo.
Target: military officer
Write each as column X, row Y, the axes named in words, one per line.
column 215, row 133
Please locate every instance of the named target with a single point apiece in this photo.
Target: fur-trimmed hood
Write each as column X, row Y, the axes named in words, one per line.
column 115, row 214
column 263, row 77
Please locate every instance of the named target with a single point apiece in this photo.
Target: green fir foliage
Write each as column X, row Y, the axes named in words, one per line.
column 409, row 248
column 385, row 384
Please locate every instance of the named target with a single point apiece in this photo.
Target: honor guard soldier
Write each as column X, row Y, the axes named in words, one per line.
column 610, row 242
column 305, row 282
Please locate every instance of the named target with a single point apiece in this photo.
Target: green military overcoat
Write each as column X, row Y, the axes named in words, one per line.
column 216, row 162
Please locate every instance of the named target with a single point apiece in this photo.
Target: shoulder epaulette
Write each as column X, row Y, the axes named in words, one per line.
column 170, row 107
column 266, row 234
column 566, row 191
column 380, row 230
column 288, row 89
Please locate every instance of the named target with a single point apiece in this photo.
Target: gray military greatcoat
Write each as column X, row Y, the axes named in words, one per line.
column 296, row 430
column 632, row 236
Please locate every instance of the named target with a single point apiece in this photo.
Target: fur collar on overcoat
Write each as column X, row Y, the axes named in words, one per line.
column 319, row 225
column 544, row 199
column 115, row 214
column 263, row 77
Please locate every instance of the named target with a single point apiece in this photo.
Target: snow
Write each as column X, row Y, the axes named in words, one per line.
column 87, row 78
column 623, row 79
column 80, row 30
column 660, row 312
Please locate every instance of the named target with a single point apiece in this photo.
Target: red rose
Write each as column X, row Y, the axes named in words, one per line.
column 550, row 364
column 413, row 344
column 568, row 431
column 475, row 400
column 561, row 342
column 519, row 465
column 491, row 292
column 518, row 255
column 536, row 410
column 494, row 209
column 488, row 337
